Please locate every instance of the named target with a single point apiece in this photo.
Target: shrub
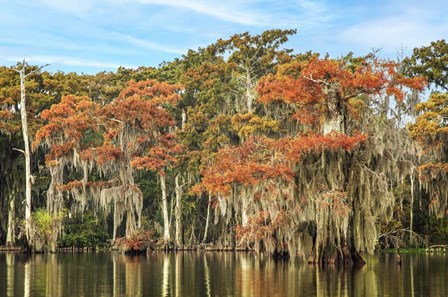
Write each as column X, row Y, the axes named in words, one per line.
column 139, row 241
column 44, row 230
column 84, row 231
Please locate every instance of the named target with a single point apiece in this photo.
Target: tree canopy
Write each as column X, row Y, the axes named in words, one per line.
column 243, row 144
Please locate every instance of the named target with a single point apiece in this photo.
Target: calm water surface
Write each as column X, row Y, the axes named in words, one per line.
column 215, row 274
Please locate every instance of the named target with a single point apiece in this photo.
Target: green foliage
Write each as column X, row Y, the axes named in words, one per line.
column 147, row 183
column 438, row 229
column 84, row 231
column 44, row 229
column 430, row 62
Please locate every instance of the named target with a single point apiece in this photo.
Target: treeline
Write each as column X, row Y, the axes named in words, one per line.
column 242, row 144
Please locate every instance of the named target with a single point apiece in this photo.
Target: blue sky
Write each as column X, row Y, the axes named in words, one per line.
column 95, row 35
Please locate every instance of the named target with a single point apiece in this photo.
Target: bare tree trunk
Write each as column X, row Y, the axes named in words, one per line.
column 249, row 92
column 207, row 222
column 26, row 152
column 178, row 212
column 411, row 223
column 10, row 235
column 166, row 223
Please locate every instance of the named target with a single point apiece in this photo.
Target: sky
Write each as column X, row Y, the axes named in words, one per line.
column 89, row 36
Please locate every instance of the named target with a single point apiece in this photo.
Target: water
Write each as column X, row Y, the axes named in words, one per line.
column 215, row 274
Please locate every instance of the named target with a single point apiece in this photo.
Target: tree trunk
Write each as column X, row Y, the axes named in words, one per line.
column 411, row 220
column 26, row 152
column 10, row 235
column 166, row 223
column 178, row 213
column 249, row 92
column 207, row 222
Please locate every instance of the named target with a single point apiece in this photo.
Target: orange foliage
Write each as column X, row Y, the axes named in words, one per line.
column 131, row 129
column 310, row 86
column 70, row 185
column 262, row 225
column 68, row 120
column 102, row 154
column 261, row 159
column 153, row 90
column 159, row 156
column 432, row 170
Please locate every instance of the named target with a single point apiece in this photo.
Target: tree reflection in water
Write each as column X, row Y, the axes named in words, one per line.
column 216, row 274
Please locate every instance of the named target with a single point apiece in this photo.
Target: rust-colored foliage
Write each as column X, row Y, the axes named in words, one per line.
column 68, row 121
column 160, row 155
column 283, row 174
column 102, row 154
column 260, row 159
column 133, row 129
column 263, row 225
column 138, row 241
column 318, row 86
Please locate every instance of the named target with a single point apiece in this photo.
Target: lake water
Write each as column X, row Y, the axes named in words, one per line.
column 215, row 274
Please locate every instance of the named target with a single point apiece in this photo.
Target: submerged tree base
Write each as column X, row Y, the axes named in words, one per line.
column 346, row 257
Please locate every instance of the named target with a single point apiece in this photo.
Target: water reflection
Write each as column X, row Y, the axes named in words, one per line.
column 165, row 275
column 207, row 277
column 10, row 259
column 215, row 274
column 26, row 280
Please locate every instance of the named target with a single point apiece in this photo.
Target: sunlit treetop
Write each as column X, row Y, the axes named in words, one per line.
column 68, row 121
column 321, row 86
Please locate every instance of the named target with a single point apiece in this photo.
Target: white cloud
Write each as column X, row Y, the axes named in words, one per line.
column 224, row 10
column 147, row 44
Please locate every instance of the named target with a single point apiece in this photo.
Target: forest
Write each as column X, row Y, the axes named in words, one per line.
column 240, row 145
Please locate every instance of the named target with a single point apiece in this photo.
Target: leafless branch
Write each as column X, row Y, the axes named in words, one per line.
column 19, row 150
column 32, row 72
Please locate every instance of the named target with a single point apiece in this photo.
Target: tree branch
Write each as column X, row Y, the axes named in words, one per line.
column 19, row 150
column 37, row 70
column 115, row 120
column 32, row 72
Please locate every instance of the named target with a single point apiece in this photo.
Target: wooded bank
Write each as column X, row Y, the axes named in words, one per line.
column 242, row 143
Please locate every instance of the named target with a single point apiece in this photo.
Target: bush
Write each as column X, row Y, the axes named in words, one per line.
column 139, row 241
column 84, row 231
column 44, row 229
